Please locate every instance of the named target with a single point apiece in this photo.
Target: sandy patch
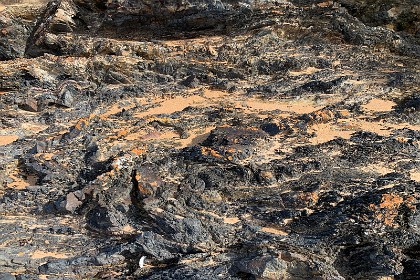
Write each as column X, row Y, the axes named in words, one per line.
column 20, row 183
column 173, row 105
column 325, row 4
column 196, row 137
column 379, row 128
column 7, row 139
column 116, row 108
column 34, row 127
column 415, row 176
column 382, row 128
column 214, row 94
column 226, row 220
column 153, row 135
column 46, row 156
column 41, row 254
column 298, row 107
column 128, row 229
column 273, row 231
column 379, row 105
column 344, row 128
column 210, row 213
column 326, row 132
column 231, row 220
column 378, row 168
column 307, row 71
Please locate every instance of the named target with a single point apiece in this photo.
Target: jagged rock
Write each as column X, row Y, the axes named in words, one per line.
column 159, row 248
column 191, row 81
column 57, row 18
column 11, row 30
column 216, row 139
column 72, row 201
column 30, row 104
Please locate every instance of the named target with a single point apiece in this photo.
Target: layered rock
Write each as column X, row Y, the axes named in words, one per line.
column 209, row 140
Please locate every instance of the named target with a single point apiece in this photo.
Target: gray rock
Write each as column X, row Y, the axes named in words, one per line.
column 7, row 276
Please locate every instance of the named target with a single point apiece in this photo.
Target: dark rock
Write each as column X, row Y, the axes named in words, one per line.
column 158, row 247
column 409, row 103
column 105, row 259
column 101, row 219
column 190, row 81
column 368, row 259
column 321, row 86
column 232, row 136
column 411, row 270
column 54, row 267
column 218, row 139
column 271, row 128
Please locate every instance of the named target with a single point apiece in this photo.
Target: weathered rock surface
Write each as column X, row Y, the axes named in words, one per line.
column 218, row 139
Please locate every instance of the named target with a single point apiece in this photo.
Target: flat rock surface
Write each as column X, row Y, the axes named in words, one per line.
column 208, row 139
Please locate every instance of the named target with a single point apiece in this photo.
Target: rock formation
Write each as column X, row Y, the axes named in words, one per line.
column 209, row 139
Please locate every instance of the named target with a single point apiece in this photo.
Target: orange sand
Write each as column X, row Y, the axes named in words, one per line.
column 232, row 220
column 273, row 231
column 7, row 139
column 379, row 105
column 41, row 254
column 415, row 176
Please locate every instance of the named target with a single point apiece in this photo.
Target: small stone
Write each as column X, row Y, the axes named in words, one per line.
column 191, row 82
column 30, row 104
column 73, row 202
column 67, row 99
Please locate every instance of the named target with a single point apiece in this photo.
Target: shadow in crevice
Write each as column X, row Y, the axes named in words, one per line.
column 179, row 25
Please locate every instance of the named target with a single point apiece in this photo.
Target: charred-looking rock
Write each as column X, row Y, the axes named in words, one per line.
column 209, row 139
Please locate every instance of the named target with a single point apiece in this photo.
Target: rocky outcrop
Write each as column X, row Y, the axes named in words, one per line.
column 209, row 139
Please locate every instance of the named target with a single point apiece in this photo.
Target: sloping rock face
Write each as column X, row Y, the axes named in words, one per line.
column 209, row 139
